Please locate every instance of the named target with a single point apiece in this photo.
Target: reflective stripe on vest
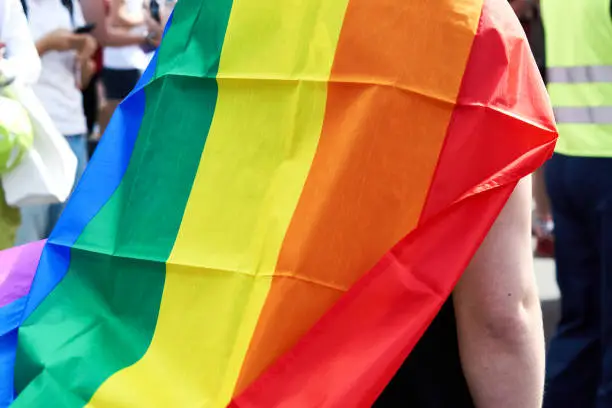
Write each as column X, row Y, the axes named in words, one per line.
column 579, row 57
column 601, row 115
column 580, row 75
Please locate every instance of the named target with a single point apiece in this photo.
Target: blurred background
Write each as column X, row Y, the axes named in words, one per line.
column 81, row 58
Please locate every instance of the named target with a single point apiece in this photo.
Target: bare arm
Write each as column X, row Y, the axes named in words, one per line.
column 166, row 11
column 21, row 60
column 107, row 35
column 120, row 17
column 499, row 319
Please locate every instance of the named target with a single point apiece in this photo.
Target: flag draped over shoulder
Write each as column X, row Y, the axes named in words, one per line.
column 279, row 209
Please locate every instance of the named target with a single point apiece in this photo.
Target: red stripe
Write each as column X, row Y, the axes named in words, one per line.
column 502, row 131
column 502, row 113
column 348, row 217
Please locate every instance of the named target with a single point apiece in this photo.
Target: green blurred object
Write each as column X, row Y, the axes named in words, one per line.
column 16, row 133
column 16, row 137
column 9, row 222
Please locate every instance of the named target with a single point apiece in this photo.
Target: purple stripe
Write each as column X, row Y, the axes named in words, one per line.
column 17, row 269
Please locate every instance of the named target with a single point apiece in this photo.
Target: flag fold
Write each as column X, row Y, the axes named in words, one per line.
column 279, row 209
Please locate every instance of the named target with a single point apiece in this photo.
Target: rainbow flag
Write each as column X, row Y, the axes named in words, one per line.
column 279, row 209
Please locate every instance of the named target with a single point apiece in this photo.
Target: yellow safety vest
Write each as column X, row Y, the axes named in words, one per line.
column 579, row 58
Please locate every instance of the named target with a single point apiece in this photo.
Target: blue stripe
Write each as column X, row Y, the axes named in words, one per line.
column 9, row 322
column 101, row 179
column 10, row 317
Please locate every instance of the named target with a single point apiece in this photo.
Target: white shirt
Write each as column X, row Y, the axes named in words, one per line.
column 131, row 56
column 57, row 86
column 21, row 59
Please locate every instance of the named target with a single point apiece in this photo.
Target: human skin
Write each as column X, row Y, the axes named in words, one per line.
column 499, row 319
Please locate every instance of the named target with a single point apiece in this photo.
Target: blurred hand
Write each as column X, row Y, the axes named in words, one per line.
column 154, row 40
column 543, row 226
column 88, row 69
column 153, row 26
column 86, row 47
column 155, row 33
column 60, row 40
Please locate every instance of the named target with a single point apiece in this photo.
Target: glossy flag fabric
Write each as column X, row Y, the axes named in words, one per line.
column 279, row 209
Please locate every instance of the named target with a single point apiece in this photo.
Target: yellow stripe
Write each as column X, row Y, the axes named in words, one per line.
column 274, row 66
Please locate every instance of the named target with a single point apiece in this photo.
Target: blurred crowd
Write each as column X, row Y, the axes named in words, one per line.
column 571, row 41
column 81, row 58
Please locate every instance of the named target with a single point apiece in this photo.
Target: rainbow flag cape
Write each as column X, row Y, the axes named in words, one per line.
column 279, row 209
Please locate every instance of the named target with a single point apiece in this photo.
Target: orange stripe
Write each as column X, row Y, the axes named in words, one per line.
column 390, row 99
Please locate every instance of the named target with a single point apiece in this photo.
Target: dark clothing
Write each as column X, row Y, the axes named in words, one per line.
column 536, row 41
column 579, row 366
column 91, row 109
column 118, row 83
column 432, row 376
column 90, row 103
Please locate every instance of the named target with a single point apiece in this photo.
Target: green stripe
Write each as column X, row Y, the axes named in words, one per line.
column 101, row 317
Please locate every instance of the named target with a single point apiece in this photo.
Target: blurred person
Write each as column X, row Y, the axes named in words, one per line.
column 67, row 67
column 92, row 101
column 160, row 10
column 528, row 12
column 167, row 7
column 524, row 10
column 19, row 61
column 123, row 65
column 579, row 181
column 108, row 35
column 543, row 226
